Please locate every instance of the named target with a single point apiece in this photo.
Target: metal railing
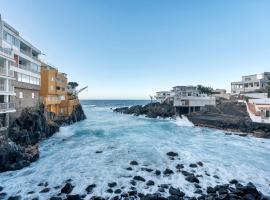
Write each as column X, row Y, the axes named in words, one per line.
column 28, row 68
column 4, row 71
column 4, row 88
column 6, row 50
column 7, row 106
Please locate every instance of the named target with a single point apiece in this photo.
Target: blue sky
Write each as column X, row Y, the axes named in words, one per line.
column 128, row 49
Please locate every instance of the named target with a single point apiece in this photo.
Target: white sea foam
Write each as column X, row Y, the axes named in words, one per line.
column 123, row 138
column 183, row 121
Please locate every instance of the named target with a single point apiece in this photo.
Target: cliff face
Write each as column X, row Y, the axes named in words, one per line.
column 20, row 147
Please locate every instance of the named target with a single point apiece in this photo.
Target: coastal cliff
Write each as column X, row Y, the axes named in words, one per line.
column 19, row 147
column 227, row 115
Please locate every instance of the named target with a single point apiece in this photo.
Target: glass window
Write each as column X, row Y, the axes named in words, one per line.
column 19, row 77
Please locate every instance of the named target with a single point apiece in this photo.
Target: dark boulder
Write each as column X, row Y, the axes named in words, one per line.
column 168, row 172
column 89, row 188
column 74, row 197
column 112, row 184
column 67, row 188
column 139, row 178
column 172, row 154
column 150, row 183
column 176, row 191
column 133, row 162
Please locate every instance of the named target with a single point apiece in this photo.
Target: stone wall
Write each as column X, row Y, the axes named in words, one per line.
column 28, row 101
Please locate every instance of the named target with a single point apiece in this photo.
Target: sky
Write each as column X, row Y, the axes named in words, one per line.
column 129, row 49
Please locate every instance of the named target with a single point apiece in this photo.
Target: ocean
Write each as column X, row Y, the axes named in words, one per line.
column 119, row 139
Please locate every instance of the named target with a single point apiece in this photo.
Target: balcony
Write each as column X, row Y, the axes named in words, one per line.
column 5, row 72
column 51, row 100
column 4, row 88
column 6, row 51
column 7, row 107
column 28, row 68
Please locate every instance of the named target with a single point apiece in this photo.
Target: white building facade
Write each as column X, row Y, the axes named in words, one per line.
column 250, row 83
column 186, row 99
column 26, row 67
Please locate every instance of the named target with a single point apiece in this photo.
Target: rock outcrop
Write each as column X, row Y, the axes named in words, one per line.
column 20, row 146
column 152, row 110
column 231, row 116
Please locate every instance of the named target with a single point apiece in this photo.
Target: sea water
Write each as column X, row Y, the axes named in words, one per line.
column 71, row 154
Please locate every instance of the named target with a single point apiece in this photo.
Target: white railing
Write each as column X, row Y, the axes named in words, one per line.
column 7, row 106
column 3, row 88
column 6, row 50
column 28, row 68
column 3, row 71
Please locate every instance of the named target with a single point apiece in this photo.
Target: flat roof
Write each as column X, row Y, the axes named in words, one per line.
column 17, row 33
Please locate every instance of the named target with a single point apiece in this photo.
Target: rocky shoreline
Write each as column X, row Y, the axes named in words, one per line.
column 191, row 173
column 20, row 146
column 228, row 115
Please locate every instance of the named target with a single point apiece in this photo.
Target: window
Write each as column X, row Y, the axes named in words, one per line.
column 11, row 39
column 33, row 95
column 20, row 95
column 19, row 77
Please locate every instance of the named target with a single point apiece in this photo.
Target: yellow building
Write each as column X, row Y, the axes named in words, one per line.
column 54, row 91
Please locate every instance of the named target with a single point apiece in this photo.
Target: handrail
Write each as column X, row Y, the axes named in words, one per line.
column 7, row 106
column 6, row 50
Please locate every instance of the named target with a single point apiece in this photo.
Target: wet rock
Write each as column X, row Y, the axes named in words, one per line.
column 252, row 190
column 133, row 182
column 115, row 198
column 45, row 190
column 210, row 190
column 96, row 198
column 233, row 181
column 172, row 154
column 173, row 197
column 132, row 193
column 222, row 191
column 133, row 162
column 160, row 189
column 147, row 169
column 74, row 197
column 139, row 178
column 132, row 188
column 179, row 166
column 166, row 186
column 198, row 191
column 193, row 165
column 207, row 174
column 45, row 184
column 124, row 194
column 129, row 168
column 176, row 191
column 112, row 184
column 99, row 151
column 117, row 191
column 31, row 192
column 140, row 195
column 3, row 195
column 157, row 172
column 15, row 197
column 68, row 180
column 197, row 185
column 185, row 173
column 168, row 172
column 110, row 190
column 67, row 188
column 35, row 198
column 150, row 183
column 200, row 163
column 216, row 176
column 192, row 179
column 89, row 188
column 55, row 198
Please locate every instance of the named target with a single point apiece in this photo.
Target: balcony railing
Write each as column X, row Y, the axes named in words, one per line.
column 6, row 50
column 28, row 68
column 7, row 106
column 29, row 54
column 4, row 71
column 4, row 88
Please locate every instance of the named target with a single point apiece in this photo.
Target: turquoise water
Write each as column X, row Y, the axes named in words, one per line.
column 71, row 153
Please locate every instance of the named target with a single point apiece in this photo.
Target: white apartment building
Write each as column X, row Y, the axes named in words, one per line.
column 6, row 88
column 250, row 83
column 186, row 99
column 26, row 67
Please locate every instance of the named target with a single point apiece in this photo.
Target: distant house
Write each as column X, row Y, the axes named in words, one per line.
column 185, row 99
column 250, row 83
column 221, row 93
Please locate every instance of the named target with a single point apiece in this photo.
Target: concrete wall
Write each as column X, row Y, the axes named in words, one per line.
column 27, row 100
